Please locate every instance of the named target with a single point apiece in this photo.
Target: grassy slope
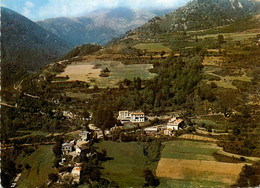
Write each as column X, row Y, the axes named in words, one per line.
column 126, row 167
column 41, row 165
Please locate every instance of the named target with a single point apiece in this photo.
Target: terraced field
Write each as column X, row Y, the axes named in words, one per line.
column 152, row 47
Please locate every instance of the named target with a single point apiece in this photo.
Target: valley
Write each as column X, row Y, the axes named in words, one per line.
column 162, row 106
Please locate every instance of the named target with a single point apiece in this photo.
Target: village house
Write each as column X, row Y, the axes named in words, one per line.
column 72, row 143
column 62, row 161
column 124, row 116
column 151, row 130
column 76, row 173
column 78, row 150
column 174, row 124
column 134, row 117
column 84, row 135
column 66, row 148
column 137, row 117
column 168, row 132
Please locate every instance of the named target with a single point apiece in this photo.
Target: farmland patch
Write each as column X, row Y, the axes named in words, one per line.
column 90, row 72
column 198, row 170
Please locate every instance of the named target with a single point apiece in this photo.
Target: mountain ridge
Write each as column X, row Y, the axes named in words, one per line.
column 26, row 45
column 97, row 27
column 200, row 14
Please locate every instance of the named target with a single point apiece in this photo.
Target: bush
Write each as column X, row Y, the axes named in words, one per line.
column 53, row 177
column 150, row 179
column 27, row 166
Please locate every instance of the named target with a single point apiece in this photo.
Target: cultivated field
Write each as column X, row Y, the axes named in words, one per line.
column 191, row 164
column 201, row 170
column 196, row 137
column 127, row 163
column 152, row 47
column 234, row 36
column 90, row 71
column 41, row 162
column 189, row 150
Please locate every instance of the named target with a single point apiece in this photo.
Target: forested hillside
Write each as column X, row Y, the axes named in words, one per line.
column 26, row 46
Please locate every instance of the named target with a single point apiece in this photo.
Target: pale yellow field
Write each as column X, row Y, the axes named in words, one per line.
column 196, row 137
column 82, row 72
column 198, row 170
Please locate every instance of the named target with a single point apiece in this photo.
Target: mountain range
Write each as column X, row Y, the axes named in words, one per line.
column 200, row 15
column 99, row 26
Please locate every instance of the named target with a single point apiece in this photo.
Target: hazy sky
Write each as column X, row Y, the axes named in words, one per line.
column 42, row 9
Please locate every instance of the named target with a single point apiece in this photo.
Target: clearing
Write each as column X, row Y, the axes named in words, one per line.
column 90, row 71
column 227, row 80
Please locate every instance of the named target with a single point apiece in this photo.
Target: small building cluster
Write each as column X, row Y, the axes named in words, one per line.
column 168, row 129
column 74, row 148
column 173, row 125
column 134, row 117
column 76, row 172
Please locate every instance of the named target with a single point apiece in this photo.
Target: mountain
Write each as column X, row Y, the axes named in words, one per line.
column 25, row 45
column 98, row 27
column 201, row 14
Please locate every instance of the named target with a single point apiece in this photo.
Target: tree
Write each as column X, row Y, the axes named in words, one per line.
column 104, row 118
column 127, row 82
column 220, row 39
column 95, row 88
column 150, row 179
column 57, row 147
column 53, row 177
column 90, row 171
column 8, row 170
column 27, row 166
column 162, row 53
column 227, row 101
column 249, row 176
column 138, row 83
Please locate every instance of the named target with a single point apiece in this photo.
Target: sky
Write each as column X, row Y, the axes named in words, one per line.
column 42, row 9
